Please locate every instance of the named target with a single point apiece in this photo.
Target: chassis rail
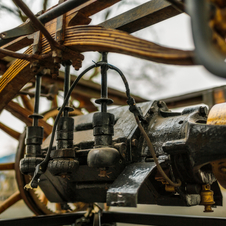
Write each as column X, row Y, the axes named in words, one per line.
column 120, row 217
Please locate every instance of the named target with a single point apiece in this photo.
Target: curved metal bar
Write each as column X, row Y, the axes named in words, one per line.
column 206, row 54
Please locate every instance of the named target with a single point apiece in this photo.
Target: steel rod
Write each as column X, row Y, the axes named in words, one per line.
column 104, row 88
column 67, row 81
column 37, row 99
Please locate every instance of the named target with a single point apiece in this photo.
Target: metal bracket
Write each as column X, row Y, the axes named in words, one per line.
column 124, row 190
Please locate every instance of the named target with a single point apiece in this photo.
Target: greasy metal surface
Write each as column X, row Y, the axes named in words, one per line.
column 184, row 136
column 124, row 190
column 124, row 127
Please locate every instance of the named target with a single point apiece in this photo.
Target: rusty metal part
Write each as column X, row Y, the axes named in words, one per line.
column 207, row 198
column 142, row 16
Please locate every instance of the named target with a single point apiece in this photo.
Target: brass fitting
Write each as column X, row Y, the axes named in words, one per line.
column 168, row 187
column 207, row 198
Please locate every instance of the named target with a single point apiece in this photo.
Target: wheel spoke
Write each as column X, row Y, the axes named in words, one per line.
column 27, row 103
column 10, row 201
column 22, row 114
column 10, row 131
column 43, row 199
column 7, row 166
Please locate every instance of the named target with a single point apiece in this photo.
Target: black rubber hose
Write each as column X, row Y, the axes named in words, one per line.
column 41, row 167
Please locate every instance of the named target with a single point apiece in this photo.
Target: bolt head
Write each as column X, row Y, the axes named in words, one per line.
column 203, row 111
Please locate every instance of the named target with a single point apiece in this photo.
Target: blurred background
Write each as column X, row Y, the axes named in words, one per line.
column 147, row 79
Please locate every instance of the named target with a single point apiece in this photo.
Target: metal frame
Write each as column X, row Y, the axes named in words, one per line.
column 119, row 217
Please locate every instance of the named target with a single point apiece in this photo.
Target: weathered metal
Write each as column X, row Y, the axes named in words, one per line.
column 172, row 134
column 145, row 15
column 170, row 147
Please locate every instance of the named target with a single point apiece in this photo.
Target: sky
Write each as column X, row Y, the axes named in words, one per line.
column 175, row 80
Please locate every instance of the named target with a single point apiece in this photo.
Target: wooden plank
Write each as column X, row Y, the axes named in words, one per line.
column 142, row 16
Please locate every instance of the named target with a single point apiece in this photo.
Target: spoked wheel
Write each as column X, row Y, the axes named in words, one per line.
column 34, row 199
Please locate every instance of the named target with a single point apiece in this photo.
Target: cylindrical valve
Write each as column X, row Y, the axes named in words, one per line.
column 207, row 198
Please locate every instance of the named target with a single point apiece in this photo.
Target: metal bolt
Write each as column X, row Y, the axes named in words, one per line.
column 134, row 142
column 203, row 111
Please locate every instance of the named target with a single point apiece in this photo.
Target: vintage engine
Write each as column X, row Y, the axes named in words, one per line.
column 184, row 143
column 157, row 157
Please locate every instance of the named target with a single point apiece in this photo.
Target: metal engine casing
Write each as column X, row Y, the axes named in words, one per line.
column 182, row 141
